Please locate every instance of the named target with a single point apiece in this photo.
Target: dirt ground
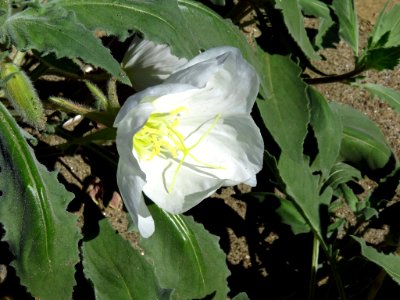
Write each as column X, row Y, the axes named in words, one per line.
column 256, row 246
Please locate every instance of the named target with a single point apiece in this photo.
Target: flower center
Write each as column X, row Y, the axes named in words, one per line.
column 159, row 136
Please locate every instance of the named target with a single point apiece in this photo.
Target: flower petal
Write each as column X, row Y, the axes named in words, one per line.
column 226, row 77
column 190, row 188
column 229, row 154
column 130, row 186
column 147, row 63
column 150, row 94
column 234, row 145
column 130, row 178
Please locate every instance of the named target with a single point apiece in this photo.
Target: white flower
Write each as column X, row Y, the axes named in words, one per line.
column 182, row 140
column 147, row 63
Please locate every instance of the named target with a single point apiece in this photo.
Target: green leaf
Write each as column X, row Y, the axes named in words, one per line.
column 187, row 26
column 241, row 296
column 387, row 22
column 294, row 21
column 117, row 270
column 327, row 129
column 285, row 111
column 5, row 10
column 342, row 173
column 348, row 23
column 304, row 188
column 363, row 143
column 41, row 234
column 320, row 10
column 389, row 262
column 391, row 96
column 186, row 257
column 52, row 29
column 382, row 58
column 291, row 216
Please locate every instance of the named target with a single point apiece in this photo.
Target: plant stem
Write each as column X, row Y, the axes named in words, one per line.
column 335, row 78
column 314, row 267
column 19, row 58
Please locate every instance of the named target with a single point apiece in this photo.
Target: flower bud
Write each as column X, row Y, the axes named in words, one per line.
column 22, row 95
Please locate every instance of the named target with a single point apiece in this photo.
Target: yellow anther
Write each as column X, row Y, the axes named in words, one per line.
column 160, row 137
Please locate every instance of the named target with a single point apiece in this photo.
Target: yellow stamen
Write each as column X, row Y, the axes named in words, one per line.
column 160, row 137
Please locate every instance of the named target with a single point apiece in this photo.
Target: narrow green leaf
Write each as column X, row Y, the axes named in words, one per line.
column 363, row 143
column 321, row 11
column 342, row 173
column 41, row 234
column 294, row 21
column 187, row 26
column 64, row 36
column 389, row 262
column 391, row 96
column 327, row 129
column 348, row 30
column 186, row 257
column 117, row 270
column 387, row 22
column 285, row 111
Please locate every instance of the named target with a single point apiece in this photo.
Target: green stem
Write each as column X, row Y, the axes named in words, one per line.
column 314, row 268
column 112, row 93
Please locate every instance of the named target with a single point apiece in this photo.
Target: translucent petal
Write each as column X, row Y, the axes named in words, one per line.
column 226, row 80
column 147, row 63
column 230, row 154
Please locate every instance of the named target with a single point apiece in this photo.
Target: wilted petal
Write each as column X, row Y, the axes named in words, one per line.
column 147, row 63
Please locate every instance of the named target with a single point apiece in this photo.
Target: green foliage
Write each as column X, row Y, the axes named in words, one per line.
column 345, row 10
column 293, row 18
column 381, row 58
column 285, row 111
column 40, row 232
column 315, row 152
column 118, row 271
column 22, row 95
column 25, row 30
column 291, row 216
column 176, row 23
column 391, row 96
column 327, row 128
column 363, row 144
column 186, row 257
column 387, row 24
column 389, row 262
column 321, row 11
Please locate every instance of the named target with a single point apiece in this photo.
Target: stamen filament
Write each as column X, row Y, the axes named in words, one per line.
column 159, row 136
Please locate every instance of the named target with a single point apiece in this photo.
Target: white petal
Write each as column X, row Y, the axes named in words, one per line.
column 190, row 188
column 149, row 95
column 252, row 181
column 130, row 186
column 234, row 145
column 147, row 63
column 130, row 178
column 226, row 80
